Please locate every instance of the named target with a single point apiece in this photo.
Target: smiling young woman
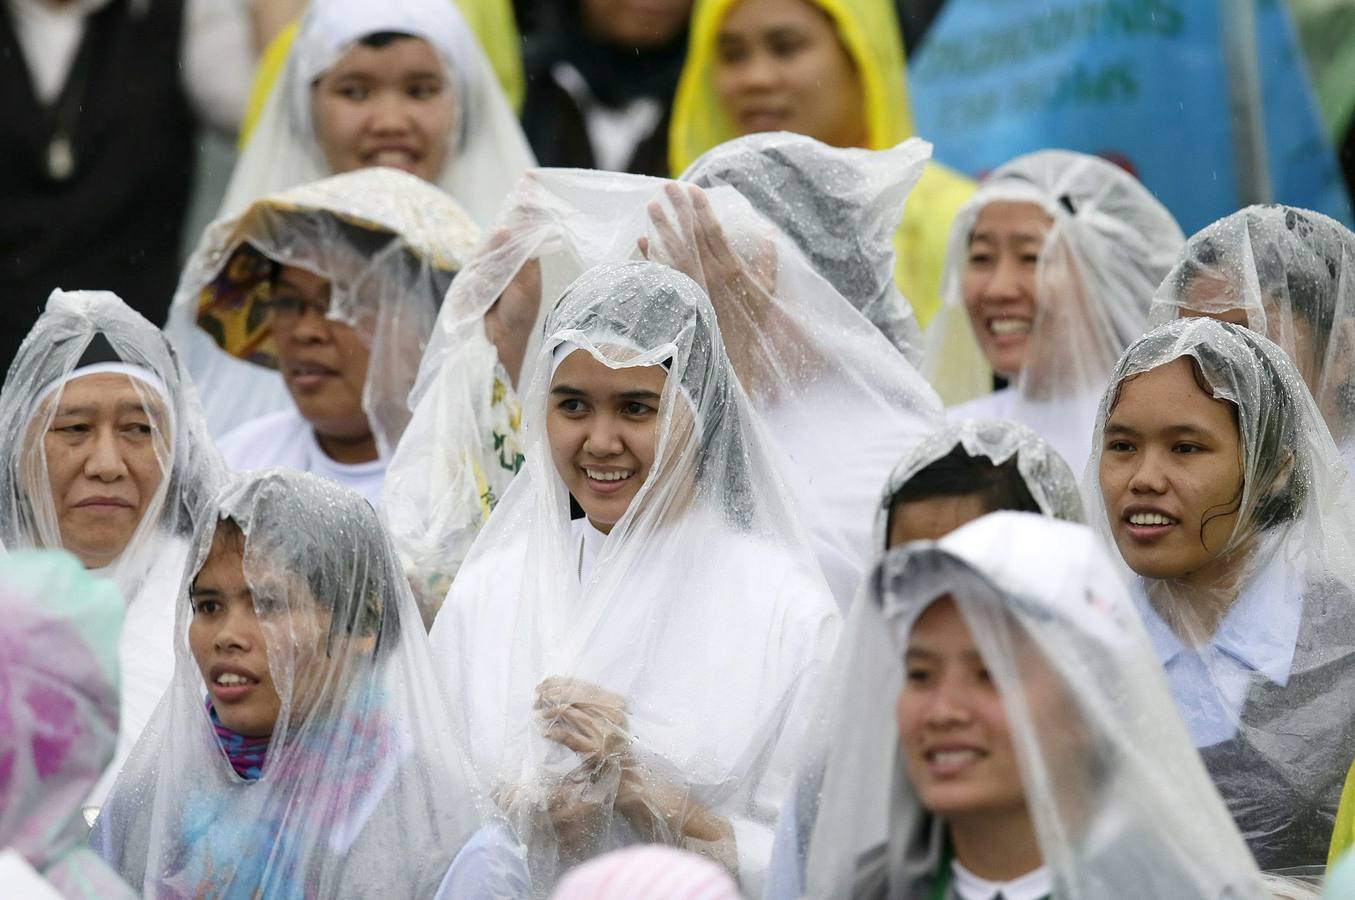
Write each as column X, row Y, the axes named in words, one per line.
column 1048, row 276
column 1216, row 479
column 999, row 729
column 384, row 84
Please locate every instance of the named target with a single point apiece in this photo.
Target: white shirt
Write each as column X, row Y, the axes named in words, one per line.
column 285, row 439
column 1030, row 886
column 218, row 53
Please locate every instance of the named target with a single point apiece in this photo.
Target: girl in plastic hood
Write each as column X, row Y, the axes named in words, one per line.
column 1050, row 269
column 59, row 632
column 399, row 83
column 1002, row 728
column 839, row 401
column 304, row 320
column 321, row 762
column 641, row 672
column 1288, row 274
column 106, row 454
column 831, row 70
column 1220, row 486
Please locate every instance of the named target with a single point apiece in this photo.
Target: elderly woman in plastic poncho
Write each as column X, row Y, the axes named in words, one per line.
column 59, row 631
column 399, row 83
column 104, row 453
column 1049, row 273
column 829, row 69
column 1216, row 479
column 813, row 365
column 1290, row 275
column 637, row 633
column 304, row 320
column 1001, row 728
column 303, row 749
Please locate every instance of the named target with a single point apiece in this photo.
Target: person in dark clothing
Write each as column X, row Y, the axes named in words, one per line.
column 601, row 75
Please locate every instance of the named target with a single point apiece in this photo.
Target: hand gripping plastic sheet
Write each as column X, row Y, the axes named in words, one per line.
column 1107, row 247
column 353, row 781
column 489, row 150
column 1290, row 275
column 1258, row 637
column 839, row 401
column 650, row 684
column 1119, row 801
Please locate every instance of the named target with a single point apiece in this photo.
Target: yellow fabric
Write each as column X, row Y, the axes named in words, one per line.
column 869, row 30
column 1343, row 836
column 491, row 20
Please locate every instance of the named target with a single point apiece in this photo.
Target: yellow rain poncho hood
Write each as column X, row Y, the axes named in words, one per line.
column 869, row 32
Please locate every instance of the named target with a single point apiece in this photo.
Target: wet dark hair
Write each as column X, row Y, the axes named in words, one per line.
column 379, row 39
column 957, row 474
column 357, row 612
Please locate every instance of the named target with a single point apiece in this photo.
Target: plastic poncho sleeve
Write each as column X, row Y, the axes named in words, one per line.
column 869, row 31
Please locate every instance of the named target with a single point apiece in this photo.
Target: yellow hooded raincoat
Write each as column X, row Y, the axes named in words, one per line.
column 869, row 31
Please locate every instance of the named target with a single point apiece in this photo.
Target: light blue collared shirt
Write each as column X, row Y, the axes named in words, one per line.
column 1257, row 635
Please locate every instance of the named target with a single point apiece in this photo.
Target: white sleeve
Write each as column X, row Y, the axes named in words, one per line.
column 492, row 864
column 218, row 61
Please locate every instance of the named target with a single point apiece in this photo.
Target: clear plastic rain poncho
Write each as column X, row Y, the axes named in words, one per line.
column 488, row 149
column 812, row 365
column 1119, row 801
column 840, row 207
column 1052, row 485
column 1107, row 249
column 362, row 789
column 1290, row 275
column 84, row 333
column 389, row 244
column 684, row 647
column 59, row 632
column 1260, row 649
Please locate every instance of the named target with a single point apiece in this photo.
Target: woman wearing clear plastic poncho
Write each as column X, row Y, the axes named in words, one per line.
column 963, row 472
column 641, row 673
column 59, row 631
column 304, row 320
column 399, row 83
column 830, row 69
column 839, row 205
column 1050, row 269
column 105, row 454
column 1219, row 484
column 1002, row 728
column 304, row 748
column 1290, row 275
column 812, row 365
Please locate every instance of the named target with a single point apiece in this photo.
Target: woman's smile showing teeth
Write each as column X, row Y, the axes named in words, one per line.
column 607, row 480
column 1147, row 524
column 952, row 760
column 230, row 684
column 1006, row 327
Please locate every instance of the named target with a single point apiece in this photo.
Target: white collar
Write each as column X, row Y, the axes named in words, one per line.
column 1034, row 885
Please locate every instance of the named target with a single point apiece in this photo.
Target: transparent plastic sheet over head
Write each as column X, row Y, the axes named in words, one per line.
column 388, row 243
column 812, row 365
column 59, row 714
column 1106, row 250
column 678, row 660
column 841, row 207
column 361, row 788
column 82, row 335
column 1288, row 274
column 488, row 150
column 1272, row 609
column 1050, row 482
column 1119, row 801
